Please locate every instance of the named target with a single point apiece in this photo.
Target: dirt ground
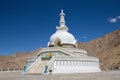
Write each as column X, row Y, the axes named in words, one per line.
column 104, row 75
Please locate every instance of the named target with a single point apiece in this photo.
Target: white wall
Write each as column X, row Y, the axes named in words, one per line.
column 71, row 66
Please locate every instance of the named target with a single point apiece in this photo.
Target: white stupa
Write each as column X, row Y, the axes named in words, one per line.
column 62, row 55
column 62, row 37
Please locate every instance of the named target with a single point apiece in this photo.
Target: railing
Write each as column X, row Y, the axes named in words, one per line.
column 66, row 51
column 51, row 61
column 30, row 59
column 34, row 62
column 10, row 69
column 76, row 50
column 49, row 64
column 77, row 58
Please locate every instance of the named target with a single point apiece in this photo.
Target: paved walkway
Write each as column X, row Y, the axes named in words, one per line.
column 105, row 75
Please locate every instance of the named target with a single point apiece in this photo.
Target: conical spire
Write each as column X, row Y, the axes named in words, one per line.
column 62, row 20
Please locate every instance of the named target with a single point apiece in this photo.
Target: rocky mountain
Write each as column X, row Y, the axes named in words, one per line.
column 106, row 48
column 17, row 60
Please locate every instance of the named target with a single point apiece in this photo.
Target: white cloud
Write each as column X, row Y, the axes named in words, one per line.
column 113, row 20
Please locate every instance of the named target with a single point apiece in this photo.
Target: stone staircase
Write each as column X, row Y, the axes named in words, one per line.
column 37, row 67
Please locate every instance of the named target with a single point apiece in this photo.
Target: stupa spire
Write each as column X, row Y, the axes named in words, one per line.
column 62, row 20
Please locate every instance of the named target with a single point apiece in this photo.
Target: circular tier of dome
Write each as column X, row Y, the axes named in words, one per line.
column 61, row 37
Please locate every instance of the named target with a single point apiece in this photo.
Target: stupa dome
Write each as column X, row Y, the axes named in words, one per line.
column 63, row 37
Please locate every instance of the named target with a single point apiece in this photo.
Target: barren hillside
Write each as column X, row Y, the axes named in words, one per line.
column 17, row 60
column 106, row 48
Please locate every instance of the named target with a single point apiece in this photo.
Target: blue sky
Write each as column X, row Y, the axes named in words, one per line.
column 27, row 25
